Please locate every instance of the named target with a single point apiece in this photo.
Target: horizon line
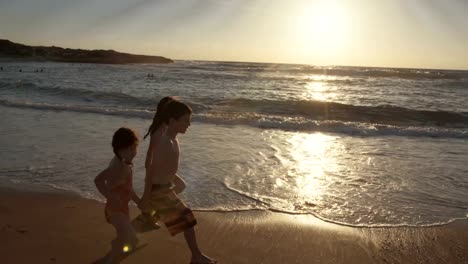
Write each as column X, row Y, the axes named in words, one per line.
column 263, row 62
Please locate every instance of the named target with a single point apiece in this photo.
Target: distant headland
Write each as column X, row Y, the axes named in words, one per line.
column 11, row 50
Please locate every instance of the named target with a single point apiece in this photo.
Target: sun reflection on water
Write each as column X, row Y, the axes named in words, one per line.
column 318, row 88
column 314, row 160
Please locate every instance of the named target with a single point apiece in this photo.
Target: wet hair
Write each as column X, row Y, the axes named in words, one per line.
column 123, row 138
column 157, row 119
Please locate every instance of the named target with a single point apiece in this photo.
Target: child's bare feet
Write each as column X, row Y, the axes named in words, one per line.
column 144, row 223
column 202, row 259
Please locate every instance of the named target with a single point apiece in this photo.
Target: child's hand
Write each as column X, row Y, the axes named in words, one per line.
column 143, row 204
column 136, row 200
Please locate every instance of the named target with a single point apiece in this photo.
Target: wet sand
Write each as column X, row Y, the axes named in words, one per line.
column 58, row 227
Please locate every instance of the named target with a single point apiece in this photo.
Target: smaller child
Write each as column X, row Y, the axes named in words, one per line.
column 115, row 183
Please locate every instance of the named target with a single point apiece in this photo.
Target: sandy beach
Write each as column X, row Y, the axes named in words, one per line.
column 305, row 132
column 57, row 227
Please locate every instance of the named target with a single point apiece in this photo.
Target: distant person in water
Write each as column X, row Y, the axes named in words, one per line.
column 115, row 183
column 160, row 200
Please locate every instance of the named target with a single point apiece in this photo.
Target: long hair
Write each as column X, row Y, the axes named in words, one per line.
column 157, row 121
column 175, row 110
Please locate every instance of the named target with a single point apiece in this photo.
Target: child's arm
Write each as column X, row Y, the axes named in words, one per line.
column 149, row 153
column 148, row 171
column 101, row 182
column 135, row 198
column 147, row 191
column 149, row 158
column 179, row 184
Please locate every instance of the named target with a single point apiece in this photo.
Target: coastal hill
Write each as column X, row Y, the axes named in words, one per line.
column 13, row 50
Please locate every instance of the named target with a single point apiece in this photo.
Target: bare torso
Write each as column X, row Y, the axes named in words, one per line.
column 164, row 161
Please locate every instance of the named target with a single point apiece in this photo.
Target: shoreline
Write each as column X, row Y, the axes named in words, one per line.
column 52, row 227
column 41, row 188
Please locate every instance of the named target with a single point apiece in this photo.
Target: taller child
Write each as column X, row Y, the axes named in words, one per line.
column 160, row 199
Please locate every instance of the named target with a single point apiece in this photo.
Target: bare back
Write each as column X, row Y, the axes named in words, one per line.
column 120, row 172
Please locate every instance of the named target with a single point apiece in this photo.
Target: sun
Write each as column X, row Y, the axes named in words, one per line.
column 322, row 26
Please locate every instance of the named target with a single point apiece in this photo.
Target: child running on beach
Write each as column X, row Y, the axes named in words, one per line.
column 160, row 200
column 145, row 222
column 115, row 183
column 155, row 132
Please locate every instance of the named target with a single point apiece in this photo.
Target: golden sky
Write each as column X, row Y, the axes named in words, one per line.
column 387, row 33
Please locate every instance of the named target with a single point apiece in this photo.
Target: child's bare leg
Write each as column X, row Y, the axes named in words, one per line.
column 197, row 255
column 126, row 238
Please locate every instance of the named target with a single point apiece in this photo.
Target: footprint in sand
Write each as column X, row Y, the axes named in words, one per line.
column 17, row 230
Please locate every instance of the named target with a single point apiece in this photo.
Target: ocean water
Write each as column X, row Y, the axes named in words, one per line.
column 351, row 145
